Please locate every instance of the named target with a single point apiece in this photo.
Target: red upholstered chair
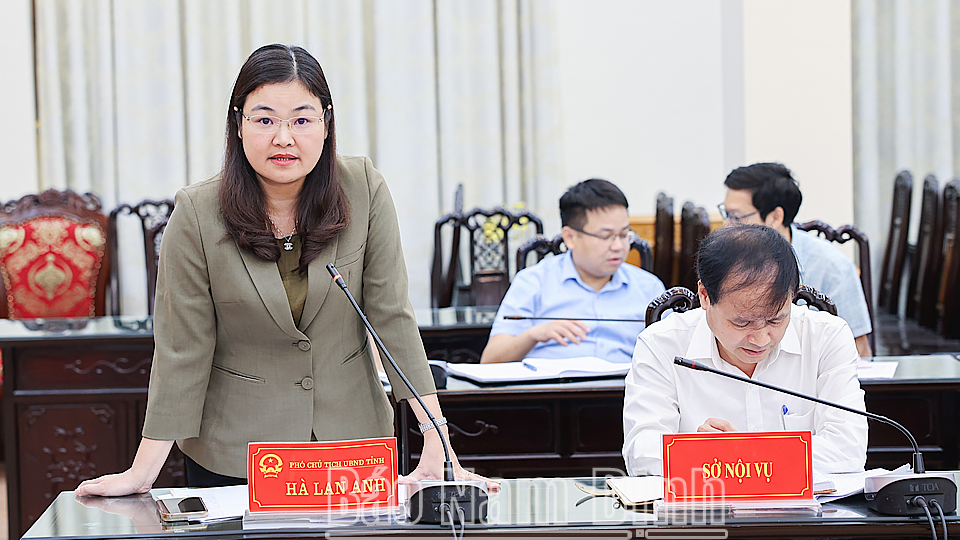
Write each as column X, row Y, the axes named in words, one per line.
column 53, row 256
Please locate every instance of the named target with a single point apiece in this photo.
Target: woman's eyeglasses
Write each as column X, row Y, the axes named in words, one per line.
column 298, row 125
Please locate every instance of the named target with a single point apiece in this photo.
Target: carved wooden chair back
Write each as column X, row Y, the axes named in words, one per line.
column 680, row 299
column 663, row 235
column 924, row 268
column 843, row 235
column 694, row 227
column 153, row 220
column 948, row 303
column 54, row 256
column 444, row 282
column 542, row 246
column 895, row 253
column 488, row 232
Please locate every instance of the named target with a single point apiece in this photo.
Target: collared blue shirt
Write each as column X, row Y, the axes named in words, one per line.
column 827, row 269
column 554, row 288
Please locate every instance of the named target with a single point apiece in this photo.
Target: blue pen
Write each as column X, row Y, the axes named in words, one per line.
column 528, row 366
column 783, row 421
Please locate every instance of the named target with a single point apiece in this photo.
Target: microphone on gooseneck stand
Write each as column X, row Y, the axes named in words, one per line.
column 893, row 494
column 463, row 500
column 525, row 318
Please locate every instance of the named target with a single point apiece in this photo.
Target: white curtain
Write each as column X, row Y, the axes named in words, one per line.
column 906, row 97
column 132, row 101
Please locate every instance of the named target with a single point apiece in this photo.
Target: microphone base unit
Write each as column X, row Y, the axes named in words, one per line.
column 434, row 502
column 891, row 494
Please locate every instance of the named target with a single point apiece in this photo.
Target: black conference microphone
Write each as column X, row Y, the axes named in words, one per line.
column 525, row 318
column 894, row 494
column 463, row 501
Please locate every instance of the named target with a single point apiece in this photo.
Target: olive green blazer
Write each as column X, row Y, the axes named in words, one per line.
column 230, row 366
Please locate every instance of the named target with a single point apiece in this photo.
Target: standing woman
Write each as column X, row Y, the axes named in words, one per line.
column 252, row 342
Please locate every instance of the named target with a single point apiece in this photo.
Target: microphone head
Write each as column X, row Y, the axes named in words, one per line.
column 333, row 271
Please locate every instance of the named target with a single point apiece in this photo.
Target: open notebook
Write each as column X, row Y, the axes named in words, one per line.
column 539, row 370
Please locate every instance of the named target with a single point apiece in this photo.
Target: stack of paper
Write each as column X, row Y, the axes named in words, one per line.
column 539, row 370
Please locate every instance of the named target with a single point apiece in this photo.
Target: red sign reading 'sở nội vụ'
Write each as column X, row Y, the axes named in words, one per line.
column 333, row 476
column 732, row 466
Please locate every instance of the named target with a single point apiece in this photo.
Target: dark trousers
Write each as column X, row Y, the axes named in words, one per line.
column 197, row 476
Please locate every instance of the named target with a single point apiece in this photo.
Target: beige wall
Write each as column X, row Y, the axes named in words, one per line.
column 18, row 141
column 798, row 96
column 655, row 95
column 670, row 96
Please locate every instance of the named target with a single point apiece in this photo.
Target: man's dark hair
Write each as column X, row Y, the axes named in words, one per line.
column 735, row 258
column 588, row 195
column 772, row 185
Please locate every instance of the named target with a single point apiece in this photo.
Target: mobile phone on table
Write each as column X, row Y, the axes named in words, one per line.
column 181, row 508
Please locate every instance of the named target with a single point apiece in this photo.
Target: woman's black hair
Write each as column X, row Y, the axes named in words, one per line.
column 322, row 210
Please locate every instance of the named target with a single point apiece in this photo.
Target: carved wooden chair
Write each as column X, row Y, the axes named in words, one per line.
column 488, row 232
column 680, row 299
column 891, row 273
column 948, row 303
column 843, row 235
column 443, row 283
column 694, row 227
column 54, row 256
column 663, row 234
column 542, row 246
column 925, row 266
column 153, row 220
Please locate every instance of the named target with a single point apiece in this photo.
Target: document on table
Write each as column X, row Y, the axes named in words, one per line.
column 868, row 369
column 846, row 484
column 222, row 503
column 539, row 370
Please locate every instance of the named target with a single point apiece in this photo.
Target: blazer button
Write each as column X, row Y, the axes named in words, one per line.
column 304, row 345
column 307, row 383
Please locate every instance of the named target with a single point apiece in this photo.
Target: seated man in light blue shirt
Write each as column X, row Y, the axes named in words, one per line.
column 589, row 281
column 766, row 193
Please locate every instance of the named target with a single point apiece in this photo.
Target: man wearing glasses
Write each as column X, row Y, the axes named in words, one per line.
column 589, row 281
column 767, row 193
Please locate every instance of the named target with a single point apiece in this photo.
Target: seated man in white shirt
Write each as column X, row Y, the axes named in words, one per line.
column 767, row 193
column 748, row 325
column 589, row 281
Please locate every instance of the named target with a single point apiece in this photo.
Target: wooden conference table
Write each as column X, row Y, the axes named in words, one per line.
column 75, row 393
column 524, row 508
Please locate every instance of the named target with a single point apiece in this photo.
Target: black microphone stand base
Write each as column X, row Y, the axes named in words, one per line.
column 891, row 494
column 435, row 502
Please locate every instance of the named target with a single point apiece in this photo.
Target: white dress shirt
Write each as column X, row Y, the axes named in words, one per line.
column 817, row 356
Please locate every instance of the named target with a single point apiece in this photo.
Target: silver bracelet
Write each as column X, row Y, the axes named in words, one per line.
column 425, row 427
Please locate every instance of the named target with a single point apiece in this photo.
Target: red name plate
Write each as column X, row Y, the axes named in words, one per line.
column 322, row 476
column 737, row 466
